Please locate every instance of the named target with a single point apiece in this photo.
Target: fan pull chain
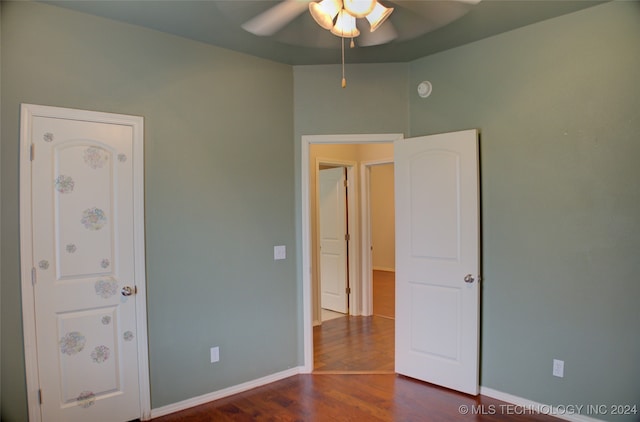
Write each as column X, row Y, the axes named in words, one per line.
column 344, row 80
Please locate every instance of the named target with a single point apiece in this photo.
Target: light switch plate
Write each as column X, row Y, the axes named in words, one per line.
column 215, row 354
column 279, row 252
column 558, row 368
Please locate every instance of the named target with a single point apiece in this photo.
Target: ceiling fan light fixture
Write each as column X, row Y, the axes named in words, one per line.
column 325, row 11
column 359, row 8
column 345, row 25
column 378, row 15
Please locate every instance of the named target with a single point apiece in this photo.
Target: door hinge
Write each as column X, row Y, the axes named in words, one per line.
column 33, row 276
column 348, row 290
column 32, row 152
column 40, row 396
column 347, row 237
column 346, row 183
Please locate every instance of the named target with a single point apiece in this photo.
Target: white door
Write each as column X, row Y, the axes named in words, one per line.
column 333, row 244
column 84, row 259
column 437, row 259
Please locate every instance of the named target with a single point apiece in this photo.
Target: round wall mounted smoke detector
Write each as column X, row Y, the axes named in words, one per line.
column 424, row 89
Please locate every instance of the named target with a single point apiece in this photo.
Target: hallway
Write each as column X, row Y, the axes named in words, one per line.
column 354, row 344
column 360, row 344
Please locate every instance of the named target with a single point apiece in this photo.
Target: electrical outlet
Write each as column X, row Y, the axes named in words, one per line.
column 558, row 368
column 215, row 354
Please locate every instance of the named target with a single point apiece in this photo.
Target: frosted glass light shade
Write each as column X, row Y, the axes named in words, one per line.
column 325, row 11
column 378, row 15
column 345, row 26
column 359, row 8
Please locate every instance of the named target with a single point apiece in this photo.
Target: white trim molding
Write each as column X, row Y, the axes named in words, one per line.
column 217, row 395
column 567, row 413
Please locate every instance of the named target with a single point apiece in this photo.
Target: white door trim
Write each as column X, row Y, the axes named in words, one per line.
column 366, row 241
column 28, row 112
column 307, row 293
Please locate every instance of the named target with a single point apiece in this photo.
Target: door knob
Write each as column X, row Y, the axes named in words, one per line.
column 128, row 290
column 468, row 278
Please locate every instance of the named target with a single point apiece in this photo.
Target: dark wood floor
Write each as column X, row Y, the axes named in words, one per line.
column 354, row 344
column 384, row 293
column 333, row 397
column 359, row 344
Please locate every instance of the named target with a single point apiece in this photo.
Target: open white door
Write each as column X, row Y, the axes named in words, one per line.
column 333, row 244
column 83, row 254
column 437, row 259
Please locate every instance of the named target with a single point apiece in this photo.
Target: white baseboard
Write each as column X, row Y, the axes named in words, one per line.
column 216, row 395
column 561, row 412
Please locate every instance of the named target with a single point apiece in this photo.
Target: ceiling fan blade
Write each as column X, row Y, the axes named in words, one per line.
column 384, row 34
column 276, row 18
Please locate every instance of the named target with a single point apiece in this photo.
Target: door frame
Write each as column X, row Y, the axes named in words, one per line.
column 305, row 217
column 352, row 229
column 366, row 241
column 27, row 113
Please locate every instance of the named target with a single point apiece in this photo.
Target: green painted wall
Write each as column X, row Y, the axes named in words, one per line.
column 219, row 191
column 558, row 105
column 374, row 101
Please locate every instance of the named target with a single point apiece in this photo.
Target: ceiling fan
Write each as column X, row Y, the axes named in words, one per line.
column 371, row 22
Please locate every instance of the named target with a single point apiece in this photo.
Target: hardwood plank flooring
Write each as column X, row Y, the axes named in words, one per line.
column 371, row 398
column 360, row 344
column 354, row 344
column 384, row 293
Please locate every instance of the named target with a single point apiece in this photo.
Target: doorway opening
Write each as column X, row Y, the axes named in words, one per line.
column 437, row 252
column 360, row 270
column 345, row 340
column 378, row 194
